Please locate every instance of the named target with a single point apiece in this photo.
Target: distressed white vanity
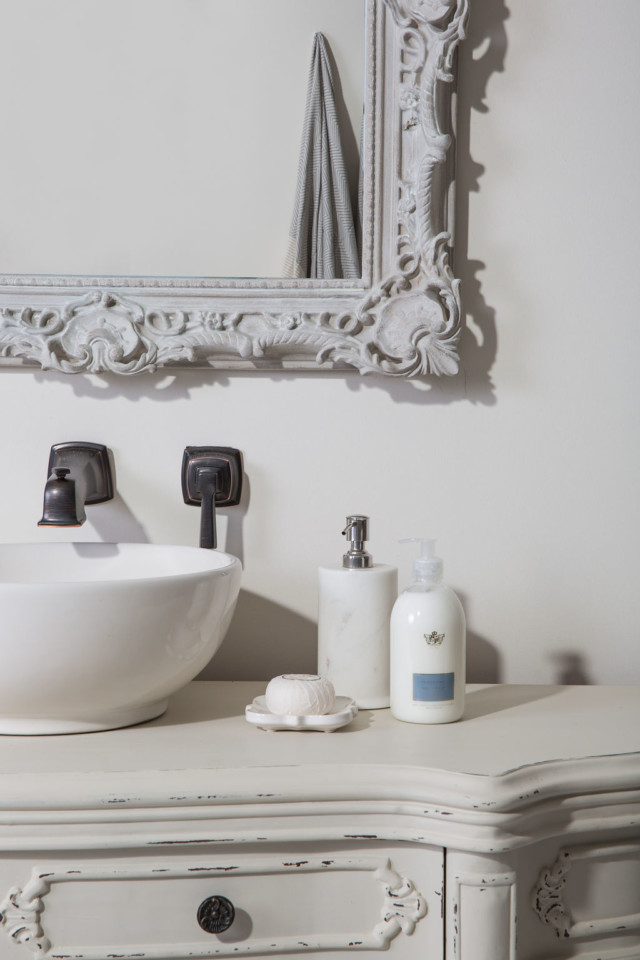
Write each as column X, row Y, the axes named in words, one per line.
column 515, row 832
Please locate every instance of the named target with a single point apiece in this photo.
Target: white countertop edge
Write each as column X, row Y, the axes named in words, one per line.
column 227, row 792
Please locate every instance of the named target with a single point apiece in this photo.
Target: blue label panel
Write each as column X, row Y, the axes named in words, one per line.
column 433, row 686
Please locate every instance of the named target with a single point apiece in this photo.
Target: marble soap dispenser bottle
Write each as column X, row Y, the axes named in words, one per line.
column 354, row 608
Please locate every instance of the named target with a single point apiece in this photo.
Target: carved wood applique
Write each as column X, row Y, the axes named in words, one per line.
column 549, row 897
column 20, row 917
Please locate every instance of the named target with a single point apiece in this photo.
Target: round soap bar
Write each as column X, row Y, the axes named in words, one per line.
column 300, row 694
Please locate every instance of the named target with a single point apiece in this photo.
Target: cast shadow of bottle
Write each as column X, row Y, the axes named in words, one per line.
column 570, row 668
column 264, row 640
column 484, row 663
column 483, row 660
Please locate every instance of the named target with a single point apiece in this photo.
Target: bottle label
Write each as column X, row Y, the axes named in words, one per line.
column 433, row 686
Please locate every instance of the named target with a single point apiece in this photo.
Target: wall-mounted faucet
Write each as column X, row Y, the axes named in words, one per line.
column 211, row 477
column 78, row 474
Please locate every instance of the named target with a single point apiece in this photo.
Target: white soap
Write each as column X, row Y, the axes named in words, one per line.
column 300, row 694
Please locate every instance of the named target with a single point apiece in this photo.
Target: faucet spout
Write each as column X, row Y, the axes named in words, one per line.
column 79, row 474
column 60, row 508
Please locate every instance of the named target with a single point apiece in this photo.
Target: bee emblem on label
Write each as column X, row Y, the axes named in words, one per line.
column 434, row 638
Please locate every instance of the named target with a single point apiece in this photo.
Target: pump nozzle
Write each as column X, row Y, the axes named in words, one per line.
column 356, row 532
column 427, row 566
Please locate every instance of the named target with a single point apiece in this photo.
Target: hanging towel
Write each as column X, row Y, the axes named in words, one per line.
column 322, row 238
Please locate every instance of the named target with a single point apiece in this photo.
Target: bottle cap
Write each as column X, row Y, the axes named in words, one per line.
column 427, row 566
column 356, row 532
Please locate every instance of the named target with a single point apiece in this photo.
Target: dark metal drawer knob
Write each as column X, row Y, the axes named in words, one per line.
column 216, row 914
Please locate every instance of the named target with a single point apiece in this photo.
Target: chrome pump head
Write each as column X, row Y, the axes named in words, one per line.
column 356, row 532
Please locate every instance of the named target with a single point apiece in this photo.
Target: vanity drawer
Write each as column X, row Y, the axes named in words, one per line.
column 293, row 901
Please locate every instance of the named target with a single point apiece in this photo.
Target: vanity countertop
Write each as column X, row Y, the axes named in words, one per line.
column 515, row 743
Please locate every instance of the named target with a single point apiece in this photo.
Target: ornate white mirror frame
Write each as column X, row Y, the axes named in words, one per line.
column 403, row 318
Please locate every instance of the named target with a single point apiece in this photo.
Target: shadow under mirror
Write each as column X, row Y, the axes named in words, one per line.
column 480, row 56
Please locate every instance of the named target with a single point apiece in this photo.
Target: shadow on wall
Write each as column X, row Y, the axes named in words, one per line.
column 481, row 55
column 571, row 668
column 115, row 522
column 483, row 659
column 264, row 640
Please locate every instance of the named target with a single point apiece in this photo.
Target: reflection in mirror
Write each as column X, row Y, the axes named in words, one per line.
column 323, row 239
column 162, row 137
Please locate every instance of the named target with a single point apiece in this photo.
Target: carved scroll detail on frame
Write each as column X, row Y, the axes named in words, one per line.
column 548, row 896
column 403, row 319
column 403, row 906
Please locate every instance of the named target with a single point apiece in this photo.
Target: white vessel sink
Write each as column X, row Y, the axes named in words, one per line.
column 97, row 635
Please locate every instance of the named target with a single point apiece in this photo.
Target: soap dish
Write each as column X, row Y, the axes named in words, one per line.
column 259, row 714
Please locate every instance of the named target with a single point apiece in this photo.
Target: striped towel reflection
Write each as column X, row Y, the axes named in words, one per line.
column 322, row 241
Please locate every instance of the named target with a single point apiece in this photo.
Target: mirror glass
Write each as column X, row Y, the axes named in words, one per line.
column 161, row 137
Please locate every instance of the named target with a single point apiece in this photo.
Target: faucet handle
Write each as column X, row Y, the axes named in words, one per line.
column 225, row 461
column 211, row 477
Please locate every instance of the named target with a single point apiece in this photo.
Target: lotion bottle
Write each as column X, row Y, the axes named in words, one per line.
column 354, row 608
column 428, row 646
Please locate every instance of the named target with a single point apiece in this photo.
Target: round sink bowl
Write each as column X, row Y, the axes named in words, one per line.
column 99, row 635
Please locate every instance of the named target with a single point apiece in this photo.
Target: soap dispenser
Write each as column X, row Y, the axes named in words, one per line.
column 354, row 607
column 428, row 646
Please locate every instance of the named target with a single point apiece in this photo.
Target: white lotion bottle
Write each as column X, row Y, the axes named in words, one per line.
column 428, row 646
column 354, row 608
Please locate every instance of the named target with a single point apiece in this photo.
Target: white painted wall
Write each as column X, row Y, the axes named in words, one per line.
column 526, row 466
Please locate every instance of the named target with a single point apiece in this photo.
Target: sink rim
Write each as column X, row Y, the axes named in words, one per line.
column 204, row 563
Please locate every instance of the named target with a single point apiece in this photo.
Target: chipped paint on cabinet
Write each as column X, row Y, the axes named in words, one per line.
column 512, row 835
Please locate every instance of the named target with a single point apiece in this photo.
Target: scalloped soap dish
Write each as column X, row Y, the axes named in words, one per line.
column 259, row 714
